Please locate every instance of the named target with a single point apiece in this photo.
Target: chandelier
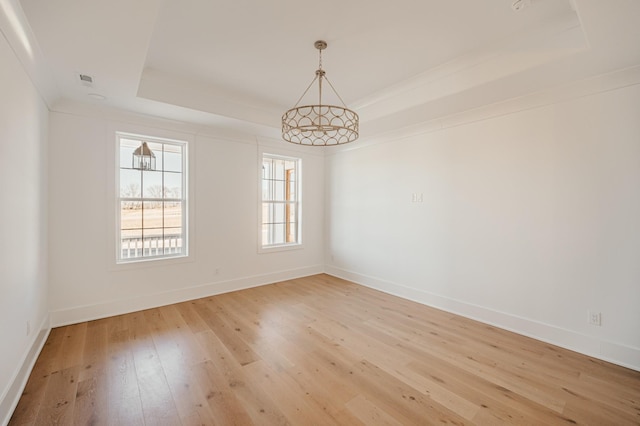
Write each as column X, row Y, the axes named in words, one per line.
column 321, row 124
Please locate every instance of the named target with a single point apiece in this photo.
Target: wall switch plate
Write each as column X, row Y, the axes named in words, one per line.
column 595, row 318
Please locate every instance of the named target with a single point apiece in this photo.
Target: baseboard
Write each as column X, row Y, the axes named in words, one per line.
column 625, row 356
column 116, row 307
column 10, row 399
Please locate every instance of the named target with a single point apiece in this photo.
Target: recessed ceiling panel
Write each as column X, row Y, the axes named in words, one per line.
column 264, row 49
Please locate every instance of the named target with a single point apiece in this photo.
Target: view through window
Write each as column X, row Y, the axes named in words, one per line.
column 152, row 198
column 280, row 201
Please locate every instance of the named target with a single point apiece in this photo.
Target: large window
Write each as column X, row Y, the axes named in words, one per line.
column 152, row 204
column 280, row 201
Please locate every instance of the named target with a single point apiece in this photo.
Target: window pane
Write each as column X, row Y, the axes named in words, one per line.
column 274, row 213
column 267, row 164
column 279, row 170
column 130, row 183
column 173, row 185
column 152, row 216
column 278, row 233
column 172, row 215
column 172, row 159
column 266, row 218
column 292, row 232
column 130, row 215
column 152, row 184
column 266, row 190
column 156, row 149
column 130, row 243
column 290, row 165
column 153, row 242
column 278, row 213
column 291, row 190
column 279, row 190
column 267, row 212
column 127, row 146
column 173, row 240
column 291, row 212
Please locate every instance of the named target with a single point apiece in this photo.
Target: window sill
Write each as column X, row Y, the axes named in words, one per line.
column 281, row 247
column 150, row 262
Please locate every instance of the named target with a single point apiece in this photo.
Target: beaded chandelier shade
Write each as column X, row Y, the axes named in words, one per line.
column 321, row 124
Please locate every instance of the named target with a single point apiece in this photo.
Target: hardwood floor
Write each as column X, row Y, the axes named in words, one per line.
column 316, row 350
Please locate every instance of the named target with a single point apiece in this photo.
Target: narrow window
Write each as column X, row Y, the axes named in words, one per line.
column 280, row 201
column 152, row 201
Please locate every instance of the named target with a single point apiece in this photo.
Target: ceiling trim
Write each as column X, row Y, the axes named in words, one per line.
column 559, row 38
column 603, row 83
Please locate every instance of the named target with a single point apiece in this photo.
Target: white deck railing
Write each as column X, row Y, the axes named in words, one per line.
column 150, row 246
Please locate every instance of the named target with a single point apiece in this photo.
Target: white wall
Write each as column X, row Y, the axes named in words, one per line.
column 85, row 282
column 23, row 226
column 529, row 219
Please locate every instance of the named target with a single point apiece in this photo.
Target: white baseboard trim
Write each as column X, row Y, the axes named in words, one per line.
column 624, row 356
column 123, row 306
column 9, row 400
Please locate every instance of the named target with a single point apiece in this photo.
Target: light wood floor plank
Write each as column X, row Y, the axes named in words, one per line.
column 59, row 398
column 91, row 407
column 123, row 395
column 158, row 404
column 315, row 350
column 178, row 351
column 217, row 380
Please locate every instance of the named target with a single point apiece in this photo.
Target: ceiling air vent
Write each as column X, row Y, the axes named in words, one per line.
column 86, row 79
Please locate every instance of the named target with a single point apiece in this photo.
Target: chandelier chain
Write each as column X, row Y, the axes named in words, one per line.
column 320, row 75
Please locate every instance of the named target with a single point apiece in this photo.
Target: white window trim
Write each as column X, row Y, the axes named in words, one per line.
column 187, row 217
column 286, row 246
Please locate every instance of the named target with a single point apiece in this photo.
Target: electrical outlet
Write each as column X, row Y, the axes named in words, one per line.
column 595, row 318
column 28, row 328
